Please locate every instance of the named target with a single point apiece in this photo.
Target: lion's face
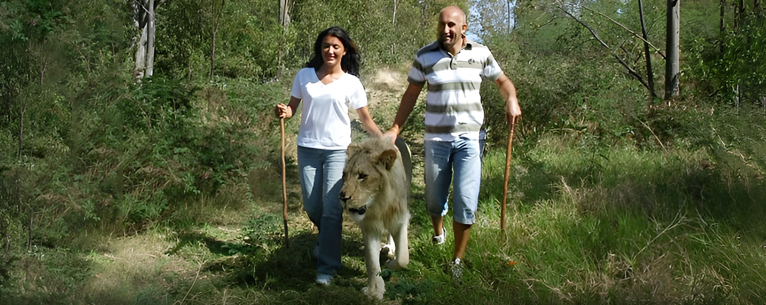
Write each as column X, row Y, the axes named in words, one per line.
column 365, row 175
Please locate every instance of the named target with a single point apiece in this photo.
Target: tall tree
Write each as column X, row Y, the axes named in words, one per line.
column 739, row 10
column 284, row 13
column 647, row 53
column 284, row 22
column 216, row 10
column 672, row 48
column 722, row 26
column 144, row 17
column 393, row 17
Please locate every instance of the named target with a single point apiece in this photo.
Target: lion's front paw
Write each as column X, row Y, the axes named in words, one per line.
column 374, row 292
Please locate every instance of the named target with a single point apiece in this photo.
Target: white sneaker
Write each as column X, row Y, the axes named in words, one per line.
column 440, row 239
column 324, row 279
column 456, row 268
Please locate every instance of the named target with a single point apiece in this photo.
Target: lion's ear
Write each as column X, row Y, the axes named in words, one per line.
column 387, row 158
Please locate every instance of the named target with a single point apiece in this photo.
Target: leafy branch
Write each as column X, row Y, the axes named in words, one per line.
column 618, row 58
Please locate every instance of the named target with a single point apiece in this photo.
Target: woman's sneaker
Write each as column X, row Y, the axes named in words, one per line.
column 324, row 279
column 440, row 239
column 456, row 268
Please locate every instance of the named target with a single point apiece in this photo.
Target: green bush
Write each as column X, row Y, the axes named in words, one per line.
column 733, row 61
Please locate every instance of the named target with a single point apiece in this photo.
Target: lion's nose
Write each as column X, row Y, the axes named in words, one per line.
column 343, row 197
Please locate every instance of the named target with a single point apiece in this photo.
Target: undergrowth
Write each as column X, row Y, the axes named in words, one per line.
column 585, row 224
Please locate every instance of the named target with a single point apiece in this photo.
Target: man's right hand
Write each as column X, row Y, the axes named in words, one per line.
column 391, row 134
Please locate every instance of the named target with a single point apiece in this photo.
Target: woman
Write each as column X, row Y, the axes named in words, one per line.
column 329, row 86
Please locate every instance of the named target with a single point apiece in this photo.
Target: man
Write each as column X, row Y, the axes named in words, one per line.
column 453, row 67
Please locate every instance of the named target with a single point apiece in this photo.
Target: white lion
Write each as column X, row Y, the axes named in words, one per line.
column 375, row 193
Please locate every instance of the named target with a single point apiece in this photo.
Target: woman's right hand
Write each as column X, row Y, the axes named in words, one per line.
column 281, row 110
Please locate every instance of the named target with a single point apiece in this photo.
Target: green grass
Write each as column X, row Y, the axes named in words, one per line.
column 586, row 225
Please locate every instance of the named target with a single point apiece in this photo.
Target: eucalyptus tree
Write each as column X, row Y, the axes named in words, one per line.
column 647, row 51
column 216, row 10
column 144, row 16
column 673, row 49
column 284, row 22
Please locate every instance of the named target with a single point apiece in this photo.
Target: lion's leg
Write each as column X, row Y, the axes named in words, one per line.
column 402, row 248
column 375, row 286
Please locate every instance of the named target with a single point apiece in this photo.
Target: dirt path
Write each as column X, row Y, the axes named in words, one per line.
column 185, row 264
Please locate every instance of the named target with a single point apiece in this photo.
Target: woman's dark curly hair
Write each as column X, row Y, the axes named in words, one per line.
column 349, row 63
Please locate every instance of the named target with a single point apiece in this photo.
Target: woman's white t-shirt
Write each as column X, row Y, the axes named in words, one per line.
column 324, row 119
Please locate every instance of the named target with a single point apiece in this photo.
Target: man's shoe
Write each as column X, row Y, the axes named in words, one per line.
column 440, row 239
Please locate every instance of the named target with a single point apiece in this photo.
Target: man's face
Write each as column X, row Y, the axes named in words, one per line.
column 451, row 28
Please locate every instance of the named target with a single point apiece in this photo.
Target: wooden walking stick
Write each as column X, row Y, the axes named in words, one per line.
column 511, row 127
column 284, row 182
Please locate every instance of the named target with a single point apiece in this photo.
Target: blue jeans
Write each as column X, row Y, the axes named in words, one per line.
column 459, row 160
column 320, row 172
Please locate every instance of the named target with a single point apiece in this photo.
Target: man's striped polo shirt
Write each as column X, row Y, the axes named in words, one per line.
column 453, row 103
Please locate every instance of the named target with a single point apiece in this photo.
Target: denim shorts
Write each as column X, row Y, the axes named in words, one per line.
column 458, row 162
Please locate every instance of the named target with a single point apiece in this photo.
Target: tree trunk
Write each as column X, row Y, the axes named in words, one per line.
column 217, row 12
column 739, row 15
column 737, row 97
column 723, row 15
column 150, row 40
column 672, row 47
column 284, row 13
column 138, row 72
column 393, row 18
column 722, row 26
column 144, row 18
column 647, row 53
column 22, row 113
column 140, row 18
column 284, row 21
column 212, row 55
column 508, row 17
column 29, row 229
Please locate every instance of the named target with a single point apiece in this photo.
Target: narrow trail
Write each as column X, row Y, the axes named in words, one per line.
column 167, row 259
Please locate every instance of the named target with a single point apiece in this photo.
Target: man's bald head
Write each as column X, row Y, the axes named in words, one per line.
column 451, row 28
column 453, row 10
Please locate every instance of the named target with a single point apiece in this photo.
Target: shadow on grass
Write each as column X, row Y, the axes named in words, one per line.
column 215, row 246
column 265, row 262
column 287, row 274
